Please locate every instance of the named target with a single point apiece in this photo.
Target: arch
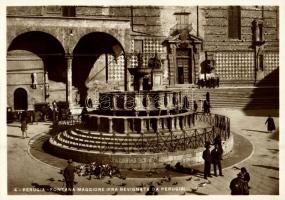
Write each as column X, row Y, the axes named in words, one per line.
column 85, row 54
column 47, row 47
column 20, row 99
column 17, row 31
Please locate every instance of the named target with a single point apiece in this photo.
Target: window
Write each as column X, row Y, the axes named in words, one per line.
column 138, row 46
column 234, row 24
column 68, row 11
column 182, row 20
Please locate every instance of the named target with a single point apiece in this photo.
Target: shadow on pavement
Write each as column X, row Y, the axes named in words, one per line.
column 14, row 136
column 14, row 125
column 274, row 150
column 255, row 130
column 265, row 96
column 262, row 112
column 275, row 135
column 267, row 167
column 273, row 178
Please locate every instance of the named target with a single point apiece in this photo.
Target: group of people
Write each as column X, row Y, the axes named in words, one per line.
column 211, row 82
column 213, row 157
column 239, row 185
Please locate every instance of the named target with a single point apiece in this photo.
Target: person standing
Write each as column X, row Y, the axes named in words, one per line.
column 207, row 160
column 68, row 174
column 195, row 106
column 246, row 176
column 270, row 124
column 205, row 106
column 83, row 114
column 24, row 128
column 216, row 155
column 208, row 97
column 54, row 112
column 24, row 123
column 218, row 141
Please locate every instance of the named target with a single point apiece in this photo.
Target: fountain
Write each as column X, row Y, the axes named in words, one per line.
column 141, row 129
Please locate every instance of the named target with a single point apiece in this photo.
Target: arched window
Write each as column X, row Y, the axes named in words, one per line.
column 234, row 25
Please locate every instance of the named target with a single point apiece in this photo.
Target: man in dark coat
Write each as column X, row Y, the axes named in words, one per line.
column 238, row 186
column 218, row 141
column 195, row 106
column 216, row 155
column 207, row 161
column 270, row 124
column 208, row 97
column 246, row 176
column 68, row 174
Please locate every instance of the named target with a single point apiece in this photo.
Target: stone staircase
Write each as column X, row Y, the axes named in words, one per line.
column 239, row 97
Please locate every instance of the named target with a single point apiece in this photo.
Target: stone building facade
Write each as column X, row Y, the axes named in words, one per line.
column 69, row 53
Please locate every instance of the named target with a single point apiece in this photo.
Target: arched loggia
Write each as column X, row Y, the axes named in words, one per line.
column 85, row 54
column 47, row 47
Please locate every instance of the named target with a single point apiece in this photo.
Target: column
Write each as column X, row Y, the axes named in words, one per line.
column 147, row 100
column 125, row 101
column 98, row 123
column 177, row 123
column 159, row 124
column 186, row 121
column 69, row 99
column 182, row 122
column 114, row 98
column 161, row 101
column 141, row 84
column 172, row 124
column 142, row 128
column 110, row 125
column 126, row 126
column 172, row 64
column 170, row 100
column 138, row 99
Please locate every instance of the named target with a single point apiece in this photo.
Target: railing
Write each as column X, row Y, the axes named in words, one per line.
column 158, row 141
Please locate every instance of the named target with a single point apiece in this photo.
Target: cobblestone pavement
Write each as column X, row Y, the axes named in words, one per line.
column 26, row 173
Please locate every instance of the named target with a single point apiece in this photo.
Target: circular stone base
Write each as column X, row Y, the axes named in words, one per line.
column 144, row 161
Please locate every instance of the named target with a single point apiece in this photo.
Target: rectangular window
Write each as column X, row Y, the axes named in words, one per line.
column 234, row 24
column 68, row 11
column 138, row 46
column 182, row 19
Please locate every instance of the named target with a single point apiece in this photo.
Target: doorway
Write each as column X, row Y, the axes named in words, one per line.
column 20, row 99
column 180, row 75
column 184, row 65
